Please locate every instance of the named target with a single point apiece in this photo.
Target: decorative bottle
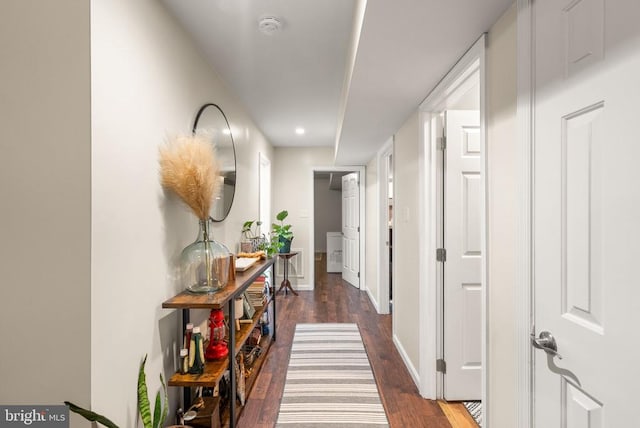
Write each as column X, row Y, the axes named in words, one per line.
column 184, row 361
column 205, row 263
column 196, row 352
column 187, row 336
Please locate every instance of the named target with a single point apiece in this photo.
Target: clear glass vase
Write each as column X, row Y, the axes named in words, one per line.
column 205, row 263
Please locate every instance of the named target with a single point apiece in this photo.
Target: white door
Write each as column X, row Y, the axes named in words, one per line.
column 586, row 212
column 463, row 265
column 351, row 229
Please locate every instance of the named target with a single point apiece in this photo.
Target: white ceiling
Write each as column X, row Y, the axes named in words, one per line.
column 296, row 77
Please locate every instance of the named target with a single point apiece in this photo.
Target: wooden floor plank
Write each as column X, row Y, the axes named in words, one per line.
column 333, row 300
column 457, row 414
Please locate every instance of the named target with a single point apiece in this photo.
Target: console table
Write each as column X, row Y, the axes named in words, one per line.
column 214, row 370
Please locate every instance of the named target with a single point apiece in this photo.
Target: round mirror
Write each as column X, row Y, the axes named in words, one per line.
column 211, row 122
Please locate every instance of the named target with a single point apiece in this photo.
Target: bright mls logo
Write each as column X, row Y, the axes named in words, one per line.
column 34, row 416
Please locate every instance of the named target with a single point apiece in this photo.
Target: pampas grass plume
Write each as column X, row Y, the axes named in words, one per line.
column 189, row 168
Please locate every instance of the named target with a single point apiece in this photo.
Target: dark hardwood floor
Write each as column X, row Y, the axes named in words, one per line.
column 336, row 301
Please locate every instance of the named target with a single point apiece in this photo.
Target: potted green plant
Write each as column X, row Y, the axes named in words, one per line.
column 148, row 420
column 282, row 232
column 270, row 246
column 251, row 236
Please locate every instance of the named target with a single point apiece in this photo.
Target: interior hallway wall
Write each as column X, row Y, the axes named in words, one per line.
column 501, row 205
column 45, row 153
column 406, row 286
column 148, row 81
column 327, row 207
column 293, row 191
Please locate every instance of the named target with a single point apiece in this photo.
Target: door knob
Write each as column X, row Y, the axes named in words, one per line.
column 546, row 342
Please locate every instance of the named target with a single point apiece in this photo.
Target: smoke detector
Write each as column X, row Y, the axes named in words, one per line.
column 269, row 25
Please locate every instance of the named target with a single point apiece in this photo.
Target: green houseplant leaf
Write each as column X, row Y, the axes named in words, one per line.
column 90, row 416
column 159, row 414
column 246, row 227
column 271, row 246
column 157, row 410
column 282, row 215
column 166, row 402
column 143, row 397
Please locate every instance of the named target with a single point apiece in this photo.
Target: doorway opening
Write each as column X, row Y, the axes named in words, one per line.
column 386, row 227
column 327, row 207
column 337, row 221
column 453, row 228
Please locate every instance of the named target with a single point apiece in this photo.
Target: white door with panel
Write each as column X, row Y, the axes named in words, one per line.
column 351, row 229
column 463, row 265
column 586, row 213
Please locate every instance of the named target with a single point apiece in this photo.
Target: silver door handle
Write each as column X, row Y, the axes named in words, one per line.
column 546, row 342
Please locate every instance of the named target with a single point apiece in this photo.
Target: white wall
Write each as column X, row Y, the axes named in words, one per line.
column 293, row 191
column 327, row 212
column 45, row 211
column 405, row 257
column 148, row 81
column 501, row 203
column 372, row 238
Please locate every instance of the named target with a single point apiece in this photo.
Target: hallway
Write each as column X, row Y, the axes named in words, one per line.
column 336, row 301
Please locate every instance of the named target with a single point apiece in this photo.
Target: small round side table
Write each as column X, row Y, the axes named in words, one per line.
column 286, row 284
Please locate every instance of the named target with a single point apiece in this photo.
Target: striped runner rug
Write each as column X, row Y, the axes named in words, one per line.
column 475, row 410
column 329, row 380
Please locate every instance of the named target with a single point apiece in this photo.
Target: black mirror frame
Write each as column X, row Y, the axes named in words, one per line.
column 233, row 145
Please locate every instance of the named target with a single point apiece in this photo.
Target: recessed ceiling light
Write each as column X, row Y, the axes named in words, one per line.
column 299, row 131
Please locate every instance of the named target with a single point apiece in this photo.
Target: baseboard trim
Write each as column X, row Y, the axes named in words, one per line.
column 303, row 287
column 407, row 362
column 373, row 301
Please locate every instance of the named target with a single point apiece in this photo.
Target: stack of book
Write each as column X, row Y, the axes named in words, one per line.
column 256, row 292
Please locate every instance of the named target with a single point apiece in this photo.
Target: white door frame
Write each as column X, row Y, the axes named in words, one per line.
column 264, row 203
column 362, row 177
column 430, row 297
column 383, row 232
column 264, row 198
column 524, row 279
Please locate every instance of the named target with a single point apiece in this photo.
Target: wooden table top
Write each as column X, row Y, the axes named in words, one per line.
column 216, row 300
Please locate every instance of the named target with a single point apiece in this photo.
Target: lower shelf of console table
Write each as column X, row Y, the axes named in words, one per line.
column 214, row 370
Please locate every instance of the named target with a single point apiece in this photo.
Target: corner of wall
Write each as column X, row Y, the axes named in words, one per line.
column 373, row 300
column 502, row 196
column 407, row 361
column 406, row 307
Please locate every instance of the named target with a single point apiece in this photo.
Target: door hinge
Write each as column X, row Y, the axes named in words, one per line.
column 441, row 366
column 358, row 228
column 442, row 143
column 441, row 255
